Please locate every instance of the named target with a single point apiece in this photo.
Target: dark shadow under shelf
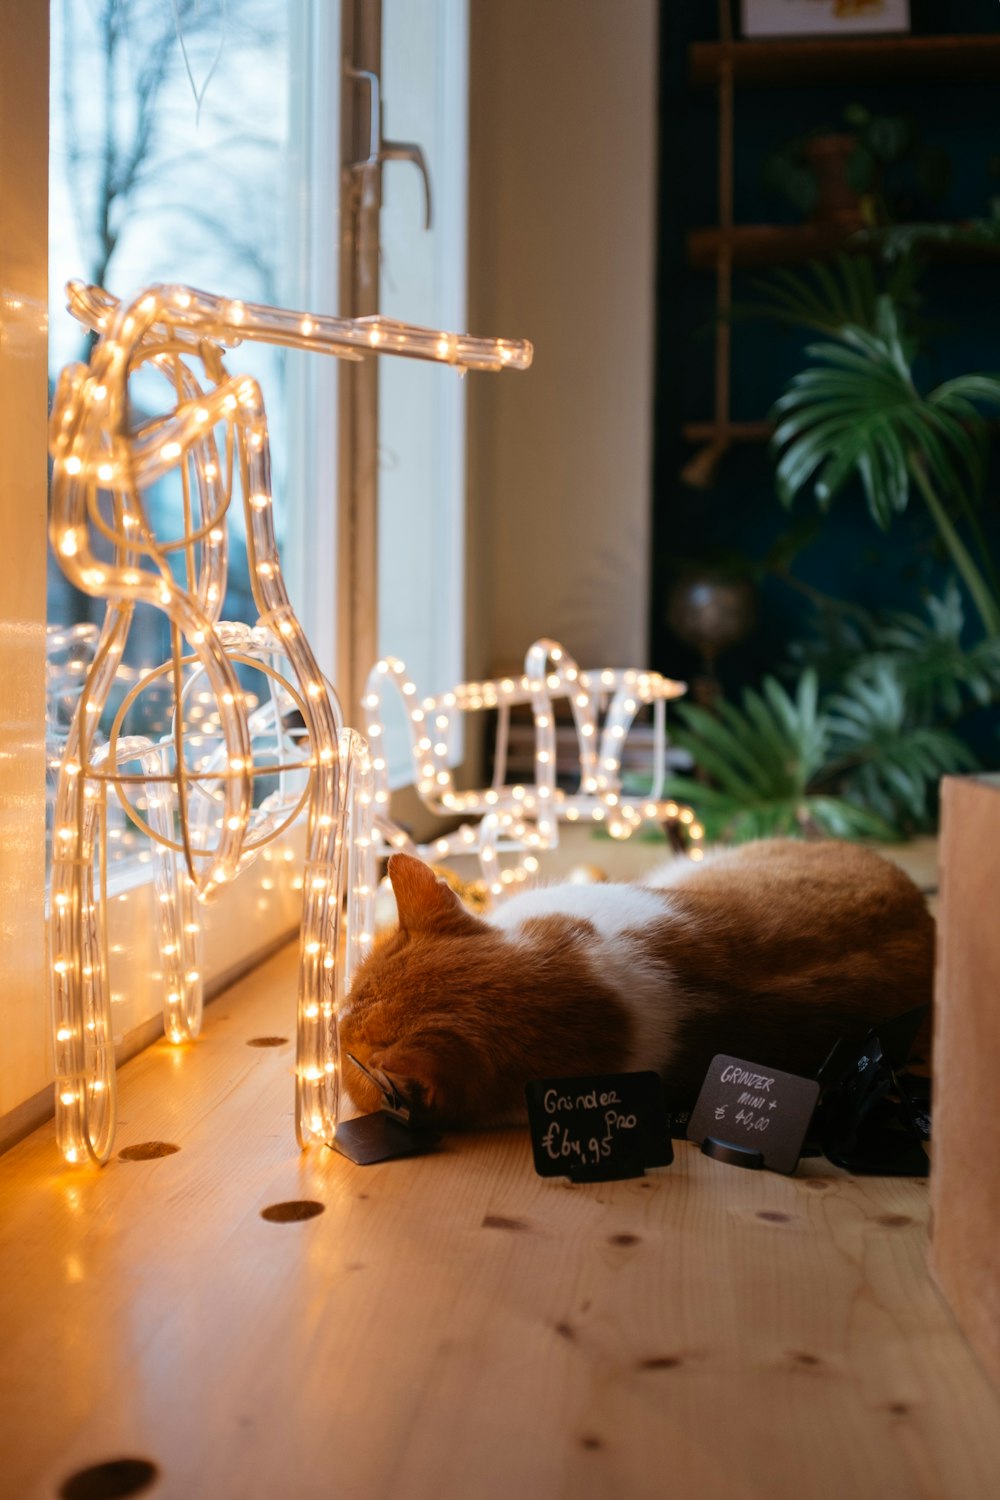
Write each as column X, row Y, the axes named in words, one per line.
column 792, row 62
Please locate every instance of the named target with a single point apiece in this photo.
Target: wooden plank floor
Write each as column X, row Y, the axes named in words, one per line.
column 454, row 1326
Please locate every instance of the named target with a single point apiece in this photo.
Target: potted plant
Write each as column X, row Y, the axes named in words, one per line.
column 856, row 411
column 876, row 171
column 860, row 751
column 811, row 173
column 857, row 745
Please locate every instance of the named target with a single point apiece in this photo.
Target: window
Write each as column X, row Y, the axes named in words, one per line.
column 209, row 152
column 421, row 529
column 171, row 169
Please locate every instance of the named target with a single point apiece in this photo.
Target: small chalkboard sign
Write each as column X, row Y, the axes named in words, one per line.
column 751, row 1115
column 595, row 1129
column 380, row 1137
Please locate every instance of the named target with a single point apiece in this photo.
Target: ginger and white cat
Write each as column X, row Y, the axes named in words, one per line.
column 768, row 951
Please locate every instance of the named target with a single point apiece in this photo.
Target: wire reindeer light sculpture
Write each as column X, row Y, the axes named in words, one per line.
column 205, row 818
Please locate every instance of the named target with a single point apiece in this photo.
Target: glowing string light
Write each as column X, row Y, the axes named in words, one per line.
column 197, row 781
column 514, row 818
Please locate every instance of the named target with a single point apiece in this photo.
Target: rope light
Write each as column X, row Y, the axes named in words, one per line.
column 199, row 781
column 522, row 818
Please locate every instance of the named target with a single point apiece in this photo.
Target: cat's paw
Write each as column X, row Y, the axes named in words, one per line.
column 417, row 1077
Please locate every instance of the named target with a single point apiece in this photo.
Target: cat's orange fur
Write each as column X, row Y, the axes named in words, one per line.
column 769, row 951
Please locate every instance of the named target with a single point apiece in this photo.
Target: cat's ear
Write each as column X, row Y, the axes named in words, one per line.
column 425, row 903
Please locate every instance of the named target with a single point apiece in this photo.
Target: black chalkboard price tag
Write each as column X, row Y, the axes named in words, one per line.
column 596, row 1129
column 753, row 1116
column 379, row 1137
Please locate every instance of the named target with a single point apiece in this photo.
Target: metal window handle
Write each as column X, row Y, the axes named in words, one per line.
column 365, row 75
column 381, row 150
column 410, row 151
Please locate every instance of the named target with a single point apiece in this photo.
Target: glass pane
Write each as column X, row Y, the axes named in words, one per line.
column 421, row 520
column 169, row 163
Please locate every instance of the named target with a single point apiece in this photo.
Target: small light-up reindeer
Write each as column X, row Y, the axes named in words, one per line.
column 199, row 791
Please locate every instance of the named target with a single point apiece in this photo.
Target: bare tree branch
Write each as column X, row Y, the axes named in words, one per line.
column 119, row 59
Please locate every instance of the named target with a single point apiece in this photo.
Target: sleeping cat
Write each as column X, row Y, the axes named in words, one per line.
column 768, row 951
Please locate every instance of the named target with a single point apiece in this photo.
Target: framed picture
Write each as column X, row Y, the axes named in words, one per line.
column 823, row 17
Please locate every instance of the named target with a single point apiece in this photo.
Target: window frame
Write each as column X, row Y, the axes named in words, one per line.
column 24, row 131
column 329, row 580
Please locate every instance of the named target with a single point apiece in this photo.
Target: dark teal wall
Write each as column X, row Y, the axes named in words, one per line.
column 842, row 554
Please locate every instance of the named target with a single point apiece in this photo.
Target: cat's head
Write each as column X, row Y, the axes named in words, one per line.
column 423, row 1007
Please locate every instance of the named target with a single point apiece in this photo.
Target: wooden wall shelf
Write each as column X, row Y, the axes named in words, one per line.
column 858, row 60
column 764, row 244
column 785, row 244
column 727, row 246
column 730, row 432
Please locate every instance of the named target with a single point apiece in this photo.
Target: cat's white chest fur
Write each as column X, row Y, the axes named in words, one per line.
column 623, row 956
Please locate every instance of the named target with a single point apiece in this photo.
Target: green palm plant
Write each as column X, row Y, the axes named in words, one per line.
column 851, row 765
column 941, row 675
column 856, row 411
column 827, row 296
column 885, row 758
column 856, row 748
column 765, row 760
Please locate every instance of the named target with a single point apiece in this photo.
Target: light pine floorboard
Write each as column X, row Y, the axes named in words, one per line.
column 454, row 1326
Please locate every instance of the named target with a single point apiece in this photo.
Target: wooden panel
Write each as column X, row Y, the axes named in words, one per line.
column 562, row 242
column 966, row 1186
column 455, row 1326
column 24, row 1016
column 848, row 60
